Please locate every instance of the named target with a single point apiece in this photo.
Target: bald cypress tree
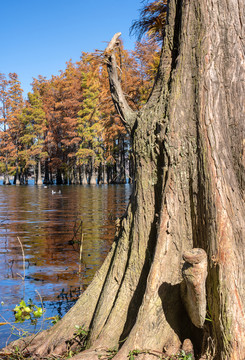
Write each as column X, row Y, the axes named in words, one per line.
column 186, row 218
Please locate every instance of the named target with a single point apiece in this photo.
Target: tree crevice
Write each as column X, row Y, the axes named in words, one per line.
column 187, row 193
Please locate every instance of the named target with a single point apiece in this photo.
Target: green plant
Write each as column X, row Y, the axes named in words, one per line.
column 81, row 331
column 136, row 352
column 184, row 356
column 78, row 341
column 27, row 311
column 181, row 356
column 110, row 353
column 55, row 319
column 18, row 332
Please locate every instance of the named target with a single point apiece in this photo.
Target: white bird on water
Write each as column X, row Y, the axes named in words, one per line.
column 54, row 192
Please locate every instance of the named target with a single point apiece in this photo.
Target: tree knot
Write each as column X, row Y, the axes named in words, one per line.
column 193, row 288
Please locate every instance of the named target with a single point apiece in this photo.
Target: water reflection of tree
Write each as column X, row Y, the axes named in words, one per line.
column 45, row 224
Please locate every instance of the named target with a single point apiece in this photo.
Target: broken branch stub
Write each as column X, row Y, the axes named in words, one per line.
column 112, row 43
column 193, row 289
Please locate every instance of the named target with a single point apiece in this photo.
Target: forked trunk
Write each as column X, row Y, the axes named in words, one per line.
column 188, row 146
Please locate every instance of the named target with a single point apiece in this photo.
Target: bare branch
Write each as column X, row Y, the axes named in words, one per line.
column 112, row 43
column 127, row 115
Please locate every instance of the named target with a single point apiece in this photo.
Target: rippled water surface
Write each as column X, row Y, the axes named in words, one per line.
column 49, row 228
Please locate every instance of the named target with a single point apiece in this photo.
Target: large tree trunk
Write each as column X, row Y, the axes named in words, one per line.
column 188, row 146
column 39, row 173
column 47, row 179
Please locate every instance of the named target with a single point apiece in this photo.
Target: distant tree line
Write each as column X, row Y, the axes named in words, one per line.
column 67, row 131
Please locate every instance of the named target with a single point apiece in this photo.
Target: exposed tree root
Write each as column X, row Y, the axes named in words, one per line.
column 188, row 191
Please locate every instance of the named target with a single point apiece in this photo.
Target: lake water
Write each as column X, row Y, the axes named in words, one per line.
column 50, row 226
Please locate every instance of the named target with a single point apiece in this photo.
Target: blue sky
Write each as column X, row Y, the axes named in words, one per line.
column 37, row 37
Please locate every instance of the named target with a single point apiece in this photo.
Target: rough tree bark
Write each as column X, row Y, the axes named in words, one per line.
column 189, row 154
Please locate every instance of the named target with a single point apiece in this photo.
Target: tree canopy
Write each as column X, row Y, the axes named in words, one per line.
column 172, row 284
column 68, row 128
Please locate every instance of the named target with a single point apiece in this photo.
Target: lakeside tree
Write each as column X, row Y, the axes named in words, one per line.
column 71, row 104
column 68, row 130
column 89, row 121
column 15, row 125
column 33, row 118
column 188, row 148
column 5, row 150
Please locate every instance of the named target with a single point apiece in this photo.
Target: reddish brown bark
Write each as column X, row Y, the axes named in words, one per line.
column 188, row 144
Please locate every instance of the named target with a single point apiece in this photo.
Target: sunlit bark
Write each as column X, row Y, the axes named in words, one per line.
column 188, row 192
